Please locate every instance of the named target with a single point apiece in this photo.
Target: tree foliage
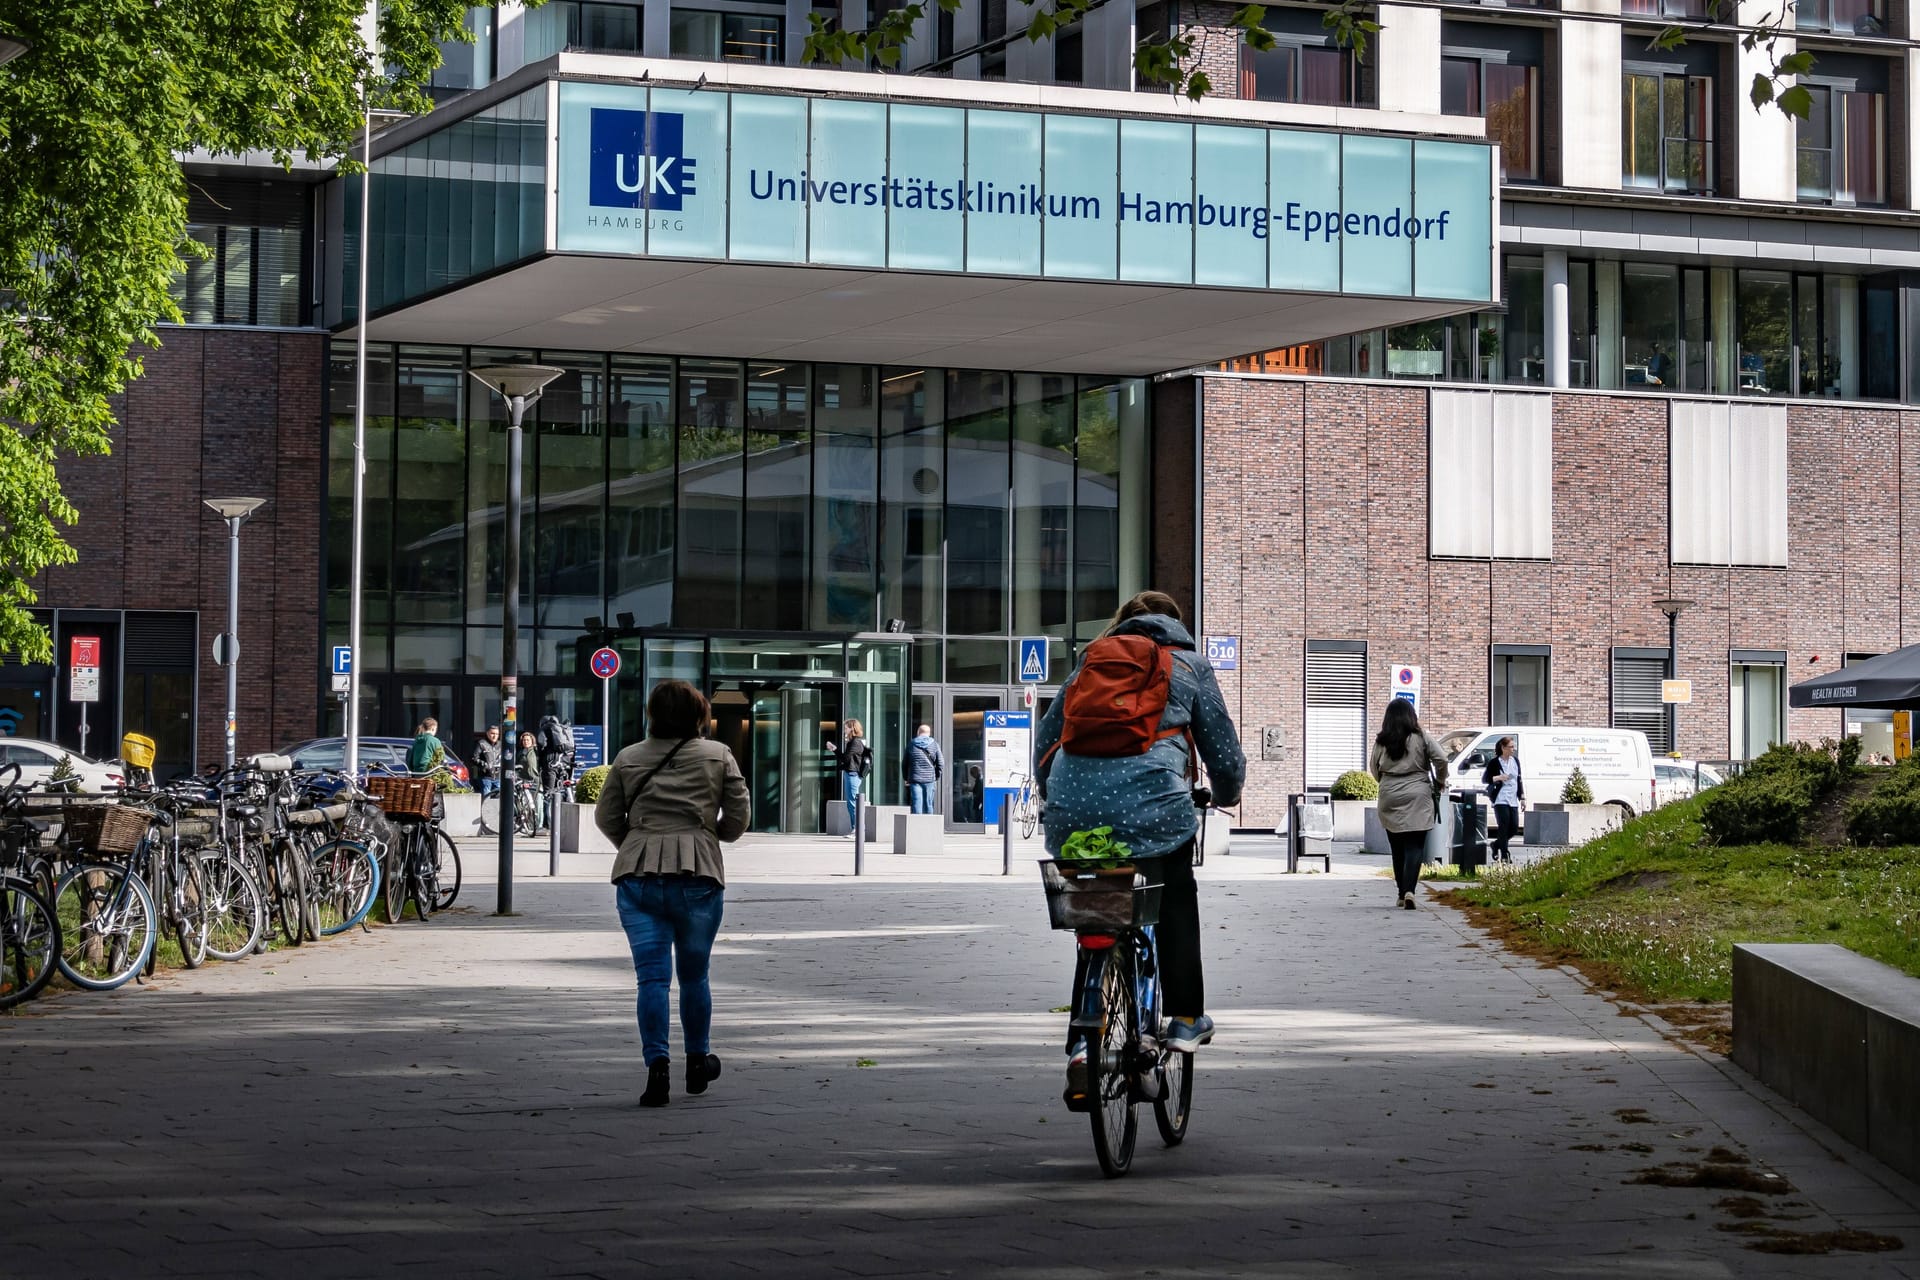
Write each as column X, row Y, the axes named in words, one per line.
column 1172, row 59
column 93, row 120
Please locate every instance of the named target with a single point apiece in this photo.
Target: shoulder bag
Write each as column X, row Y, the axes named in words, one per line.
column 633, row 805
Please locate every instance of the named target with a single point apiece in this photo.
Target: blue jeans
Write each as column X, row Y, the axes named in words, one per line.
column 489, row 786
column 671, row 922
column 920, row 795
column 850, row 788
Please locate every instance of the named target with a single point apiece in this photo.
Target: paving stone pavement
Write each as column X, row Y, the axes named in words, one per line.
column 1391, row 1095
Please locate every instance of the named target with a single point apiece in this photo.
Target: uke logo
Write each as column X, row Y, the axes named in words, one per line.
column 639, row 159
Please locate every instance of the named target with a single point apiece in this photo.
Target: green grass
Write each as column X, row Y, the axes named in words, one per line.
column 1656, row 912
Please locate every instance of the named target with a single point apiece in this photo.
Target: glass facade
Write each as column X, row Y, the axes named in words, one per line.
column 713, row 496
column 259, row 242
column 1655, row 326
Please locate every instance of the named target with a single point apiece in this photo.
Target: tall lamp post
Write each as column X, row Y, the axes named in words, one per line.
column 1673, row 609
column 519, row 385
column 235, row 512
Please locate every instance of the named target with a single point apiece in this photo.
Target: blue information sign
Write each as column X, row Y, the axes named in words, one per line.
column 1224, row 652
column 342, row 660
column 588, row 751
column 1033, row 659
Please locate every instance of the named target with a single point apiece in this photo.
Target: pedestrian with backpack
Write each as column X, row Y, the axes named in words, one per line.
column 923, row 767
column 1119, row 748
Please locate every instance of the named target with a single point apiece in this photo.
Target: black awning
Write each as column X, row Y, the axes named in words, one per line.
column 1890, row 680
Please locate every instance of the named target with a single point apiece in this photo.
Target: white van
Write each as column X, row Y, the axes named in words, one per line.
column 1618, row 763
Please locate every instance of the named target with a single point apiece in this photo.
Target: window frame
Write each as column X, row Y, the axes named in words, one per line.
column 1505, row 653
column 1663, row 179
column 1482, row 57
column 1836, row 148
column 1357, row 73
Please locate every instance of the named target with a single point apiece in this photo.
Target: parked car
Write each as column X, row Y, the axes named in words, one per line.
column 38, row 760
column 1617, row 763
column 1679, row 779
column 386, row 753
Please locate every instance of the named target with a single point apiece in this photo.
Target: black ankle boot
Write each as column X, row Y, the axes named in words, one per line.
column 702, row 1067
column 659, row 1078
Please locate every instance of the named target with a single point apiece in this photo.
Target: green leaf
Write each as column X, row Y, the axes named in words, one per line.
column 1669, row 39
column 1762, row 91
column 1199, row 85
column 1796, row 64
column 1797, row 101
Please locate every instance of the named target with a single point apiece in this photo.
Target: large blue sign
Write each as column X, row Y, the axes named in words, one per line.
column 1223, row 652
column 772, row 178
column 588, row 751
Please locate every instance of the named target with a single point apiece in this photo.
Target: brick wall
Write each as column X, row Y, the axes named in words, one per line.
column 1216, row 44
column 1315, row 527
column 219, row 412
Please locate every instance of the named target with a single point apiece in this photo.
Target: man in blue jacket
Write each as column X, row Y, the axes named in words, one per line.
column 923, row 769
column 1148, row 801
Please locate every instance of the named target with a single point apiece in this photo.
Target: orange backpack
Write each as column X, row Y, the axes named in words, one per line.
column 1114, row 705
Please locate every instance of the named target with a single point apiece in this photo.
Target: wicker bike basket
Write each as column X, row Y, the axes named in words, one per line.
column 106, row 828
column 1102, row 896
column 403, row 797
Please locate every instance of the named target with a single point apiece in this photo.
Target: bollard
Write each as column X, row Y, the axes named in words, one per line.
column 1294, row 838
column 1006, row 842
column 860, row 836
column 553, row 841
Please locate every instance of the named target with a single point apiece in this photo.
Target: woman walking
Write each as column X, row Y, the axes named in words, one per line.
column 1412, row 773
column 667, row 804
column 856, row 762
column 1506, row 791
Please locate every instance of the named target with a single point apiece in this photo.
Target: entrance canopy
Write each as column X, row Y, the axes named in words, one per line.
column 843, row 217
column 1890, row 680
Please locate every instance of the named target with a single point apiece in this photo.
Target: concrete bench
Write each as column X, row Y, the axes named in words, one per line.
column 1839, row 1036
column 919, row 833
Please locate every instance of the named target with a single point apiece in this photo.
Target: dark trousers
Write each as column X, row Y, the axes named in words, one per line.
column 1409, row 851
column 1507, row 816
column 1176, row 940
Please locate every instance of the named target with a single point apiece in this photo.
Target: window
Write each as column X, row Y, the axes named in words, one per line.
column 465, row 66
column 727, row 37
column 589, row 27
column 1872, row 725
column 1666, row 132
column 1304, row 66
column 1758, row 700
column 1336, row 709
column 1663, row 327
column 1068, row 56
column 1490, row 475
column 1520, row 694
column 1727, row 485
column 256, row 235
column 1809, row 335
column 1856, row 17
column 1499, row 83
column 1637, row 674
column 1696, row 9
column 1842, row 147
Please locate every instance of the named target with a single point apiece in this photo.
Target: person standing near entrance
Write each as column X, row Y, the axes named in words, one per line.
column 1506, row 791
column 1413, row 772
column 668, row 804
column 486, row 761
column 856, row 762
column 923, row 769
column 427, row 751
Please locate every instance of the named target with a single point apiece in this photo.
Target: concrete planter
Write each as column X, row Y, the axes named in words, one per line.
column 462, row 813
column 879, row 818
column 1571, row 824
column 577, row 832
column 1350, row 818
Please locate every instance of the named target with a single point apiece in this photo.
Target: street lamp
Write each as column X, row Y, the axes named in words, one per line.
column 226, row 649
column 1673, row 609
column 519, row 385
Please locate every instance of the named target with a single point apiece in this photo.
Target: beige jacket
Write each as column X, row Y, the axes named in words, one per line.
column 676, row 825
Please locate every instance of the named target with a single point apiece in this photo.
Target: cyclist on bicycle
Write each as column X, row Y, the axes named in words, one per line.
column 1145, row 796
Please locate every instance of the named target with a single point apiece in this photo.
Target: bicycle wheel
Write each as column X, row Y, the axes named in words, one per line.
column 421, row 891
column 1029, row 815
column 393, row 874
column 1109, row 1062
column 189, row 910
column 29, row 941
column 446, row 870
column 106, row 924
column 345, row 879
column 236, row 905
column 1172, row 1112
column 288, row 887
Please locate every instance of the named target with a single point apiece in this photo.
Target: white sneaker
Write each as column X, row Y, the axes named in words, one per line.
column 1406, row 900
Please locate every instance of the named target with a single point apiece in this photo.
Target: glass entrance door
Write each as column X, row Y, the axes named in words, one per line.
column 962, row 785
column 781, row 734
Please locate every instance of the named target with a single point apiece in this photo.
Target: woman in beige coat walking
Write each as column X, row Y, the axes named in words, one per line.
column 1412, row 772
column 667, row 804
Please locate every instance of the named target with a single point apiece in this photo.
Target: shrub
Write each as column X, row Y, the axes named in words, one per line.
column 1354, row 784
column 1849, row 753
column 587, row 790
column 1578, row 790
column 1762, row 810
column 1891, row 815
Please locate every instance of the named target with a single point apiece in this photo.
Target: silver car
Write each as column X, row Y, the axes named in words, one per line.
column 1679, row 779
column 38, row 760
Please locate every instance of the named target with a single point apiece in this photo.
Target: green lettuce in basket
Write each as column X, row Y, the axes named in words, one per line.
column 1097, row 845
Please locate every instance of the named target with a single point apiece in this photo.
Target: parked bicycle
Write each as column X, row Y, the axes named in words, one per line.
column 29, row 927
column 1026, row 805
column 423, row 864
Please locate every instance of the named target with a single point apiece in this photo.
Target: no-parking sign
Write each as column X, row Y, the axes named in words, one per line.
column 1406, row 683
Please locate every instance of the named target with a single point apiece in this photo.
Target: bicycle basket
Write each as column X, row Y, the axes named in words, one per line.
column 402, row 797
column 80, row 824
column 122, row 827
column 1083, row 896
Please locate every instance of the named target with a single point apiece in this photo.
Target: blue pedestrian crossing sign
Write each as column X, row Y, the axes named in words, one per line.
column 342, row 660
column 1033, row 659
